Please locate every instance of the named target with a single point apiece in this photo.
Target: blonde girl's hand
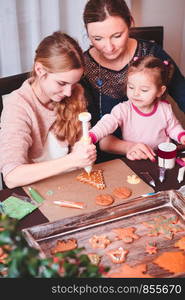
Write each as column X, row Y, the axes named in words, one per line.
column 83, row 154
column 182, row 140
column 140, row 151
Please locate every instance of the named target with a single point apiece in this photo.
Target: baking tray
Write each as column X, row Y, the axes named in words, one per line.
column 131, row 213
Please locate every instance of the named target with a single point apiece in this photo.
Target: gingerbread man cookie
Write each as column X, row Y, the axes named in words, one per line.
column 126, row 234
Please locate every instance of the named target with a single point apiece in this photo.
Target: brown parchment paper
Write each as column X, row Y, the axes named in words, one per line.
column 66, row 187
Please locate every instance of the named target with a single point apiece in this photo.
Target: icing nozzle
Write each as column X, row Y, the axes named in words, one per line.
column 88, row 169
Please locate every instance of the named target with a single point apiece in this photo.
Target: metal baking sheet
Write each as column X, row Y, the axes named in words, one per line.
column 129, row 214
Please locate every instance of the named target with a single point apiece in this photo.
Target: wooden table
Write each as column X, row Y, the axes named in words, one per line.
column 36, row 217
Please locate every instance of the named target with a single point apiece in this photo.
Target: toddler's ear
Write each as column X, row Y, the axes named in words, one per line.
column 161, row 90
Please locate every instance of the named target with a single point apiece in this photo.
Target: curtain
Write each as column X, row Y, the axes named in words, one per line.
column 23, row 24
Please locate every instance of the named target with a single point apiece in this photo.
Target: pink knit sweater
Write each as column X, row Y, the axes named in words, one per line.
column 152, row 128
column 25, row 123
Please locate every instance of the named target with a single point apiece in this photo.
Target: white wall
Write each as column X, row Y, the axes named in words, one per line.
column 167, row 13
column 72, row 20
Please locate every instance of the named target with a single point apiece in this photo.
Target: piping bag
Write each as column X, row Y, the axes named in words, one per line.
column 148, row 178
column 85, row 117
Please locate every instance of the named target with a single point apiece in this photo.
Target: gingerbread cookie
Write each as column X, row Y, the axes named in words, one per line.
column 126, row 271
column 104, row 199
column 126, row 234
column 63, row 246
column 100, row 241
column 122, row 192
column 118, row 255
column 133, row 179
column 172, row 261
column 151, row 248
column 95, row 178
column 163, row 225
column 94, row 258
column 180, row 243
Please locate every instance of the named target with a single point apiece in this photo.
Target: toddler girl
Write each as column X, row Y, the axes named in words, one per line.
column 146, row 117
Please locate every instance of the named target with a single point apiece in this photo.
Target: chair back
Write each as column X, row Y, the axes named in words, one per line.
column 9, row 84
column 150, row 33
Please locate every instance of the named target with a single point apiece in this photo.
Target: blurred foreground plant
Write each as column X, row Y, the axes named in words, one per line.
column 18, row 259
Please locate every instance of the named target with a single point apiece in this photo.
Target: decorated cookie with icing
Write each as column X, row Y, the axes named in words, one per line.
column 95, row 178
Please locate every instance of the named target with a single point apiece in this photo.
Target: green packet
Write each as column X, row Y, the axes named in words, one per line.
column 17, row 208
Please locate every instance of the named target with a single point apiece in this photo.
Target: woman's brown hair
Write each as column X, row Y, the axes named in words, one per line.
column 99, row 10
column 61, row 53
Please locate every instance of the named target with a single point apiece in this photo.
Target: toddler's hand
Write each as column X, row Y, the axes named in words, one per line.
column 182, row 140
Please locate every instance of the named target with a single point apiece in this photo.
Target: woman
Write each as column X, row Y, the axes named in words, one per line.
column 107, row 23
column 39, row 124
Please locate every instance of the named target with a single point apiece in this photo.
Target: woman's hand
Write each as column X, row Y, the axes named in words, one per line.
column 84, row 154
column 140, row 151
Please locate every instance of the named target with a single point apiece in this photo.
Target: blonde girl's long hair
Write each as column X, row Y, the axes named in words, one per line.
column 61, row 53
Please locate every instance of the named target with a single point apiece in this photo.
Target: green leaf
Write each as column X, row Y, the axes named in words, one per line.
column 5, row 238
column 24, row 261
column 46, row 261
column 47, row 272
column 2, row 266
column 33, row 267
column 13, row 270
column 71, row 270
column 84, row 260
column 54, row 267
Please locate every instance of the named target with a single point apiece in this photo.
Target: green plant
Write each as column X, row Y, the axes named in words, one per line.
column 18, row 260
